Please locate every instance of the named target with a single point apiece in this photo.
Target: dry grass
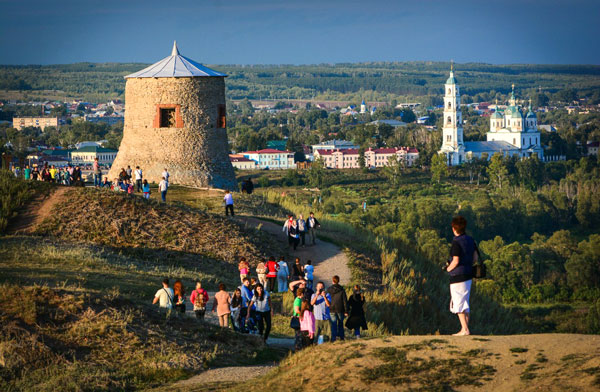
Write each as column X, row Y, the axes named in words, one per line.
column 68, row 339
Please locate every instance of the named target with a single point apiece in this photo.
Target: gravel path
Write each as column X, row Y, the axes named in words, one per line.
column 328, row 259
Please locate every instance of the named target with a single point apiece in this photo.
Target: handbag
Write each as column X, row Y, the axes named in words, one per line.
column 479, row 269
column 295, row 322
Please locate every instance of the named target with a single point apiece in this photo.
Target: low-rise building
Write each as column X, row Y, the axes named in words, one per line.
column 242, row 163
column 332, row 145
column 87, row 155
column 39, row 122
column 378, row 157
column 271, row 159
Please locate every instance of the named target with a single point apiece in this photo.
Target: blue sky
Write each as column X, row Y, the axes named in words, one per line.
column 300, row 32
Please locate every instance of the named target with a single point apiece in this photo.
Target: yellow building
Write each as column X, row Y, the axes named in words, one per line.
column 39, row 122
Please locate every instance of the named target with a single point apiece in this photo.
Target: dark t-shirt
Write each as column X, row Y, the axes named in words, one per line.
column 456, row 250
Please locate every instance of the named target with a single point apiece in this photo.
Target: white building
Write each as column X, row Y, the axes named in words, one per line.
column 271, row 159
column 378, row 157
column 332, row 145
column 511, row 133
column 86, row 155
column 242, row 163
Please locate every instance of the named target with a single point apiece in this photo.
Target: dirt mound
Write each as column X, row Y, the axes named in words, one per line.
column 66, row 339
column 130, row 222
column 550, row 362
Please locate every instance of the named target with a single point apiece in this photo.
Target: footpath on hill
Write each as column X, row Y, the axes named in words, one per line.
column 328, row 260
column 36, row 211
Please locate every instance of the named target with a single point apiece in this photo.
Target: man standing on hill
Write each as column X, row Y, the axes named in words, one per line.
column 138, row 178
column 338, row 309
column 312, row 224
column 165, row 296
column 162, row 188
column 166, row 175
column 228, row 199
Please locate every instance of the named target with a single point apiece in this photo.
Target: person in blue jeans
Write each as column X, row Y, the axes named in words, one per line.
column 338, row 308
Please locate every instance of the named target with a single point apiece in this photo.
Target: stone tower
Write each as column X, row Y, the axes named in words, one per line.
column 175, row 118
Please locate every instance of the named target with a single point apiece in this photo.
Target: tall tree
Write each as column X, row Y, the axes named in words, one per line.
column 439, row 168
column 497, row 170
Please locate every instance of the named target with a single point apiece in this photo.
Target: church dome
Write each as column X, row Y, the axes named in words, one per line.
column 451, row 79
column 515, row 112
column 497, row 115
column 531, row 114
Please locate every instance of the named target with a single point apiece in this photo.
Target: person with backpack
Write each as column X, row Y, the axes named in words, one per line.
column 261, row 272
column 338, row 308
column 165, row 297
column 463, row 254
column 272, row 269
column 199, row 299
column 283, row 274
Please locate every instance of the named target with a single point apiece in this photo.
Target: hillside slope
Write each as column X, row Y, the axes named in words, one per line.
column 164, row 233
column 550, row 362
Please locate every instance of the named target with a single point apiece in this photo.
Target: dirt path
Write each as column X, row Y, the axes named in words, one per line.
column 328, row 259
column 36, row 211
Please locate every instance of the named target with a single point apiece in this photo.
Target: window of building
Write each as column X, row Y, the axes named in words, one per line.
column 168, row 116
column 449, row 138
column 449, row 105
column 222, row 117
column 449, row 120
column 515, row 141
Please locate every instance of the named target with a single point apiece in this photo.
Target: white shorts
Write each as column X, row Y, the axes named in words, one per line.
column 459, row 296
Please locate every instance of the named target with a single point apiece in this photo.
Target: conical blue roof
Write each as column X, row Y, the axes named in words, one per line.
column 175, row 66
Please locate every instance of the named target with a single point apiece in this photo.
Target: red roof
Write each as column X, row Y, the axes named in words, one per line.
column 240, row 159
column 267, row 151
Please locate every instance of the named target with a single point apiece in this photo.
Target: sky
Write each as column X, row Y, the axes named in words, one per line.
column 300, row 32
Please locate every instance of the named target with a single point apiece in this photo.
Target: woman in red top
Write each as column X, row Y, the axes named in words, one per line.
column 199, row 299
column 272, row 268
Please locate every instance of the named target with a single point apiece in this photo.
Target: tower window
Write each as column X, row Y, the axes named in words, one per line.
column 523, row 140
column 449, row 120
column 168, row 116
column 449, row 91
column 221, row 117
column 449, row 138
column 449, row 105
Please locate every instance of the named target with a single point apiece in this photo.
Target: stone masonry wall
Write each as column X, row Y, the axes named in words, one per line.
column 196, row 154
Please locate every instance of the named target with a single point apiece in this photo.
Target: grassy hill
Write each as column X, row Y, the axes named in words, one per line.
column 417, row 363
column 75, row 295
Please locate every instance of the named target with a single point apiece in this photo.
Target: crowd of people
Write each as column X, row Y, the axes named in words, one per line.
column 317, row 314
column 69, row 175
column 297, row 230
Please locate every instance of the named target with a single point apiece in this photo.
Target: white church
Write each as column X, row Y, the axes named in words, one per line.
column 511, row 133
